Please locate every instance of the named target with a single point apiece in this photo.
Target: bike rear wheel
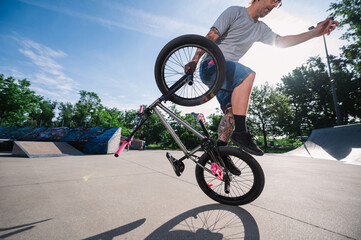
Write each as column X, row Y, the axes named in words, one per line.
column 169, row 68
column 243, row 189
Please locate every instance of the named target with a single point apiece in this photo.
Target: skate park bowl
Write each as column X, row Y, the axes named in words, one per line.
column 342, row 143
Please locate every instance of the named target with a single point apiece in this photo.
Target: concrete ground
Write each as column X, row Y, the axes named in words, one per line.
column 138, row 196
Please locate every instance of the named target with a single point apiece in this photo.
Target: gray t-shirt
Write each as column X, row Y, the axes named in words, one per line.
column 238, row 31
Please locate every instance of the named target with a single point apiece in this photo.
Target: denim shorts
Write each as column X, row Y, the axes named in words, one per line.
column 235, row 74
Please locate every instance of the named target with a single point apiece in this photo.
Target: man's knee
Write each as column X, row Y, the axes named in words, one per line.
column 248, row 81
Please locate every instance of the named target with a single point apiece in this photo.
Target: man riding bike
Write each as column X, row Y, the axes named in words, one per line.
column 235, row 30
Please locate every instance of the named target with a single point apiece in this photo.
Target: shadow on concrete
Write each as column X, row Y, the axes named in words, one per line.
column 211, row 222
column 6, row 154
column 24, row 227
column 109, row 235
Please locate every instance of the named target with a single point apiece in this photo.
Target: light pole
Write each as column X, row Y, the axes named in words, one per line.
column 334, row 96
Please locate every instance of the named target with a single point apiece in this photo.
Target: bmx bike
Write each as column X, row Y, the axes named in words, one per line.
column 188, row 89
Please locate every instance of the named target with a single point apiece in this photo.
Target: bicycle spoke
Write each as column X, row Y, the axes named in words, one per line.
column 239, row 185
column 174, row 69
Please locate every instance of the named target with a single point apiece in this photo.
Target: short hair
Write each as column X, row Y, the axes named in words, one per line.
column 253, row 1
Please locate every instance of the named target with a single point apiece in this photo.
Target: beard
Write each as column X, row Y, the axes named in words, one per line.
column 265, row 12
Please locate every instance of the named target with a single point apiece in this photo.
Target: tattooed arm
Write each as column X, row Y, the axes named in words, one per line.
column 213, row 35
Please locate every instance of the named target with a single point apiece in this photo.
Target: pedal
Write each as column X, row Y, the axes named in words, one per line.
column 217, row 171
column 178, row 166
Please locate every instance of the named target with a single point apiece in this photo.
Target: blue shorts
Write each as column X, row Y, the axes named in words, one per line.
column 235, row 74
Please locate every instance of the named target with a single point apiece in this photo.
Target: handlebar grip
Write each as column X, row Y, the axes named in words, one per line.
column 312, row 27
column 120, row 150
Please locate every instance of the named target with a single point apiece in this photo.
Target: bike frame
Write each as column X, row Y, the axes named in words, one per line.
column 172, row 132
column 155, row 106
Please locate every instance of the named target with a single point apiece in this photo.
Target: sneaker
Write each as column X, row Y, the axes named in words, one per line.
column 230, row 165
column 245, row 141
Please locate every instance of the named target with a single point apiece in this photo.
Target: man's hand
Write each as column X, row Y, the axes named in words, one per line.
column 190, row 66
column 326, row 27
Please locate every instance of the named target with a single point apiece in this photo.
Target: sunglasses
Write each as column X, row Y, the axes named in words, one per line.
column 279, row 2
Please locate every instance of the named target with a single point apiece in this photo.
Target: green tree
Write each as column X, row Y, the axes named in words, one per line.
column 214, row 120
column 113, row 117
column 269, row 112
column 44, row 114
column 189, row 139
column 17, row 101
column 66, row 114
column 126, row 120
column 152, row 131
column 309, row 94
column 86, row 108
column 349, row 14
column 168, row 140
column 348, row 86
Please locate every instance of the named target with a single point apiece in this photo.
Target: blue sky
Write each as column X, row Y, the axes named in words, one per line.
column 110, row 46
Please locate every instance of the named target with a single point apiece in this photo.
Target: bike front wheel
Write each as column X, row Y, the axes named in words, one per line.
column 243, row 189
column 170, row 65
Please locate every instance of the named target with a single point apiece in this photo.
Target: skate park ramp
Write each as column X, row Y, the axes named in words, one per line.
column 43, row 149
column 342, row 143
column 95, row 140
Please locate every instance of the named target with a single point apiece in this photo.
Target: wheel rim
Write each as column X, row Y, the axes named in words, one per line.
column 173, row 70
column 240, row 186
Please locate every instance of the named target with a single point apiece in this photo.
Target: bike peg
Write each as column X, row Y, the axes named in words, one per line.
column 190, row 77
column 190, row 80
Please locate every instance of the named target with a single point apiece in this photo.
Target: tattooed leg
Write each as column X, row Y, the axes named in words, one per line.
column 226, row 126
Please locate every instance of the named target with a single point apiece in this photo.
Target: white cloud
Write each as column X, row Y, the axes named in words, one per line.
column 50, row 73
column 44, row 92
column 121, row 16
column 11, row 71
column 161, row 26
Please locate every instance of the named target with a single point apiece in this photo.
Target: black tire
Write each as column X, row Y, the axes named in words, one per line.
column 243, row 189
column 169, row 68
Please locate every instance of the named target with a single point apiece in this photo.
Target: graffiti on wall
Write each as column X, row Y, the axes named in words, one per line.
column 96, row 140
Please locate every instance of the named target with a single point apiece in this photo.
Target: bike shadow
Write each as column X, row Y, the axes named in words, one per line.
column 109, row 235
column 20, row 228
column 211, row 222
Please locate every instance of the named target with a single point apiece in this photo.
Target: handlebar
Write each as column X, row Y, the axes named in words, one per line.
column 312, row 27
column 120, row 150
